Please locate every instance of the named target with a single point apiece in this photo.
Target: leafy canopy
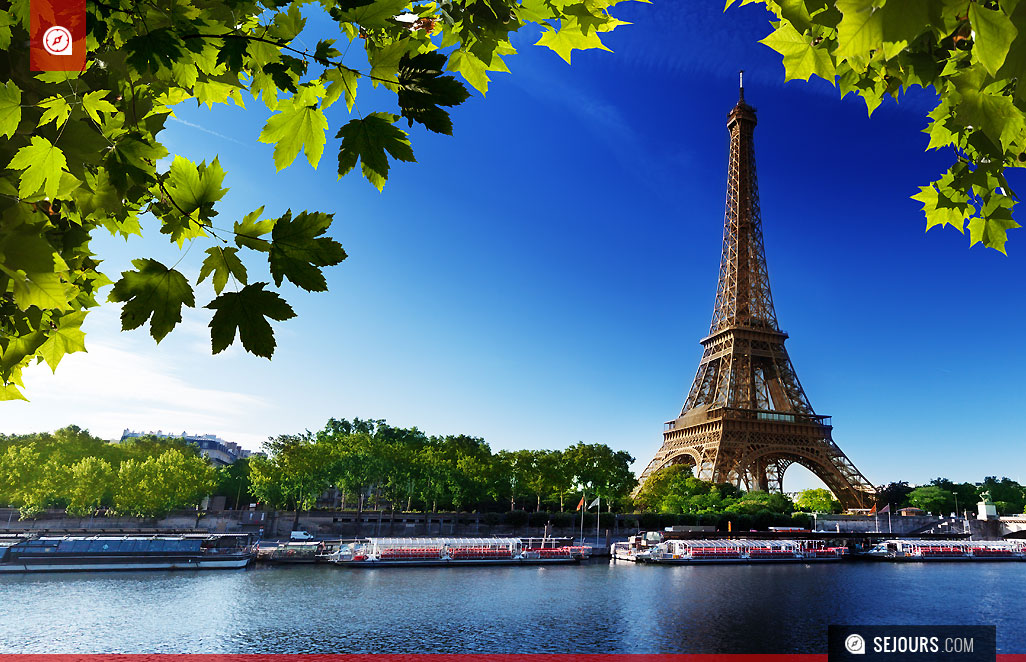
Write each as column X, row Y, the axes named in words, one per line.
column 82, row 151
column 972, row 53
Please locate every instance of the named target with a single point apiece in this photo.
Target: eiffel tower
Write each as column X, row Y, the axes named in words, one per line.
column 746, row 418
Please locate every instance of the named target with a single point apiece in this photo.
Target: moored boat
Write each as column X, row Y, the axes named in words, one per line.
column 948, row 550
column 687, row 552
column 80, row 553
column 377, row 552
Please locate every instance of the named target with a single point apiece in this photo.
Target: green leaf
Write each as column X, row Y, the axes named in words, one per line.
column 903, row 21
column 151, row 51
column 298, row 124
column 67, row 338
column 43, row 289
column 423, row 88
column 368, row 140
column 222, row 263
column 43, row 164
column 233, row 53
column 246, row 311
column 995, row 220
column 247, row 232
column 571, row 36
column 298, row 250
column 341, row 81
column 325, row 50
column 98, row 199
column 10, row 108
column 10, row 391
column 54, row 109
column 801, row 59
column 6, row 21
column 376, row 14
column 26, row 249
column 16, row 353
column 940, row 209
column 994, row 114
column 152, row 292
column 385, row 62
column 94, row 104
column 860, row 30
column 195, row 187
column 994, row 34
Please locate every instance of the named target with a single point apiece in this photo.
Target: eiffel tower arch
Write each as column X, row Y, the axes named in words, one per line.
column 746, row 418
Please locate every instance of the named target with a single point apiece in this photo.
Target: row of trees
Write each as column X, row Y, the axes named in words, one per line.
column 408, row 469
column 74, row 470
column 403, row 468
column 944, row 496
column 674, row 490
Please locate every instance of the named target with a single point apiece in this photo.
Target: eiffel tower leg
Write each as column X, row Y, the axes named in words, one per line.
column 775, row 475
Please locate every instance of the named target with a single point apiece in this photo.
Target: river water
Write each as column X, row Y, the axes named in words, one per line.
column 597, row 607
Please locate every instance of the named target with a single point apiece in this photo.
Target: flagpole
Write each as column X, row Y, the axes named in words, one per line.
column 598, row 516
column 584, row 502
column 889, row 529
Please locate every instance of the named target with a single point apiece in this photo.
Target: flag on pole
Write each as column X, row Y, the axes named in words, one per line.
column 885, row 509
column 581, row 504
column 872, row 511
column 593, row 504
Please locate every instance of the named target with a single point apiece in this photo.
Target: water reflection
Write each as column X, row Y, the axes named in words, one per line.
column 597, row 607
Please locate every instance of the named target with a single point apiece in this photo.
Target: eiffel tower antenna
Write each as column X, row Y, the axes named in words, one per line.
column 746, row 418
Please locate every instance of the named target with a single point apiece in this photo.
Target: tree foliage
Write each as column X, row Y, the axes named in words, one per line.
column 71, row 469
column 817, row 500
column 971, row 53
column 370, row 461
column 82, row 151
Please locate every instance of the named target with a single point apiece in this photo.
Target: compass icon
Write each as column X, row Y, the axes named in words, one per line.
column 57, row 40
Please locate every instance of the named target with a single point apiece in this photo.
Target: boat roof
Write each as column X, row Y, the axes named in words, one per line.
column 954, row 543
column 736, row 544
column 439, row 542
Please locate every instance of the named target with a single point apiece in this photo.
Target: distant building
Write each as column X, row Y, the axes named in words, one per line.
column 219, row 451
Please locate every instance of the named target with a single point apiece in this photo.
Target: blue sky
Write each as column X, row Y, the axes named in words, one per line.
column 544, row 275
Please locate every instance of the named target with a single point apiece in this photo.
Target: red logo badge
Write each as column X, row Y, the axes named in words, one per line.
column 58, row 29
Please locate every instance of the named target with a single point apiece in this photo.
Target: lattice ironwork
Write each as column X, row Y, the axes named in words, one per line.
column 746, row 418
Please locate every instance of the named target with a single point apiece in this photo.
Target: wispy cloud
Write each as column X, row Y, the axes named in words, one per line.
column 112, row 388
column 200, row 127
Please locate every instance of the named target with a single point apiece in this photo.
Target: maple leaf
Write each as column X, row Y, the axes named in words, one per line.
column 298, row 250
column 249, row 231
column 245, row 311
column 152, row 292
column 94, row 103
column 368, row 140
column 571, row 36
column 10, row 108
column 299, row 124
column 65, row 339
column 222, row 263
column 376, row 14
column 423, row 88
column 43, row 163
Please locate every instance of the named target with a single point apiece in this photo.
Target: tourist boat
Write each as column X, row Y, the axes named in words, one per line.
column 289, row 552
column 80, row 553
column 376, row 552
column 948, row 550
column 697, row 552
